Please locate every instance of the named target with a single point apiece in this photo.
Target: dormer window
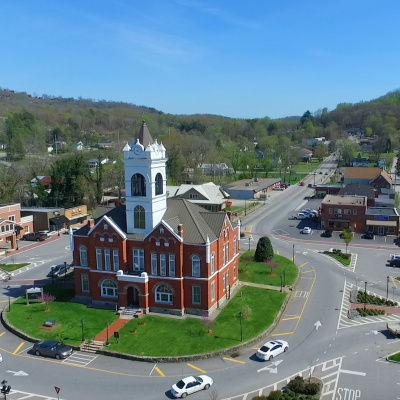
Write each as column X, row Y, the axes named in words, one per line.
column 162, row 231
column 106, row 227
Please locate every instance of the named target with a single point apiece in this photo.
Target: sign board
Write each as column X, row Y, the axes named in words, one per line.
column 57, row 389
column 34, row 295
column 381, row 218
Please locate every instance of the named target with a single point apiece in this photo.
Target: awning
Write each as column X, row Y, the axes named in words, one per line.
column 61, row 219
column 381, row 223
column 77, row 216
column 338, row 220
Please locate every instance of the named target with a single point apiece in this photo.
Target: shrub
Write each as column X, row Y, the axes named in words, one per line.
column 275, row 395
column 346, row 256
column 297, row 384
column 264, row 250
column 311, row 388
column 259, row 398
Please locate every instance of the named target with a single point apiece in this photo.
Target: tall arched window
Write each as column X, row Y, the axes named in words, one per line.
column 164, row 294
column 83, row 255
column 196, row 266
column 159, row 184
column 138, row 185
column 109, row 288
column 140, row 217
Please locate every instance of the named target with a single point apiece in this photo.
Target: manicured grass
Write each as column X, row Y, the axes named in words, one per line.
column 163, row 336
column 306, row 167
column 12, row 267
column 338, row 257
column 258, row 272
column 69, row 315
column 395, row 357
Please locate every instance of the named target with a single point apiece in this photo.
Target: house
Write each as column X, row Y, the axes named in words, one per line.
column 78, row 146
column 360, row 162
column 215, row 169
column 306, row 154
column 208, row 195
column 255, row 188
column 13, row 226
column 374, row 176
column 94, row 162
column 353, row 213
column 45, row 180
column 105, row 144
column 156, row 254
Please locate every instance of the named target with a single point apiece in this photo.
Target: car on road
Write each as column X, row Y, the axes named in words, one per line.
column 47, row 233
column 302, row 183
column 271, row 349
column 52, row 348
column 306, row 230
column 35, row 236
column 395, row 262
column 279, row 188
column 58, row 270
column 326, row 233
column 191, row 384
column 367, row 236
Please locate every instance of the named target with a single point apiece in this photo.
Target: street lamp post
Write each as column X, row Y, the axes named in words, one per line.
column 314, row 177
column 52, row 275
column 83, row 333
column 365, row 296
column 245, row 207
column 241, row 328
column 5, row 389
column 284, row 278
column 107, row 325
column 249, row 243
column 281, row 281
column 293, row 253
column 387, row 287
column 9, row 298
column 65, row 270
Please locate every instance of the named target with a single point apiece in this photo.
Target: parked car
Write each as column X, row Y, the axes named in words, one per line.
column 35, row 236
column 302, row 183
column 326, row 233
column 279, row 188
column 46, row 232
column 395, row 262
column 52, row 348
column 395, row 256
column 341, row 235
column 367, row 236
column 58, row 270
column 306, row 230
column 191, row 384
column 271, row 349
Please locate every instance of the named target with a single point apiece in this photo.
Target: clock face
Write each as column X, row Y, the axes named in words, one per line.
column 137, row 150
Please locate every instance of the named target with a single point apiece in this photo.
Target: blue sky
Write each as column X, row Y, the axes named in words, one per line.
column 236, row 58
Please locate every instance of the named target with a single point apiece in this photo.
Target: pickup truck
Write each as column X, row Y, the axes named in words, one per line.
column 394, row 328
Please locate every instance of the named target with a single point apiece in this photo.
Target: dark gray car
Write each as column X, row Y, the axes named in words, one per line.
column 52, row 348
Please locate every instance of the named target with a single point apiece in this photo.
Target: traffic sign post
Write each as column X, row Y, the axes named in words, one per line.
column 57, row 389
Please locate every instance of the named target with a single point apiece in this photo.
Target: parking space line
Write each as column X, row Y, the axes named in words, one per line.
column 2, row 333
column 290, row 318
column 198, row 369
column 302, row 265
column 310, row 270
column 233, row 360
column 18, row 348
column 159, row 371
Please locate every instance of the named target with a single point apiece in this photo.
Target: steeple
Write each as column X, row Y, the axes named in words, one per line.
column 143, row 136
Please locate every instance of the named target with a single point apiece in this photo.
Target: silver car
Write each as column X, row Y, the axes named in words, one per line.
column 52, row 348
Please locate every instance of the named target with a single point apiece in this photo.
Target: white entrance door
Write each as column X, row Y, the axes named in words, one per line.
column 381, row 230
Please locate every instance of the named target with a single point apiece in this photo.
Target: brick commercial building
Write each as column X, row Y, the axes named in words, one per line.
column 353, row 213
column 158, row 255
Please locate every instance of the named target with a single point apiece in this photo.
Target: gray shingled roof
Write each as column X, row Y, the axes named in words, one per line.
column 144, row 136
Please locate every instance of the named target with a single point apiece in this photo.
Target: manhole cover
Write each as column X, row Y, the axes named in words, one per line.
column 234, row 355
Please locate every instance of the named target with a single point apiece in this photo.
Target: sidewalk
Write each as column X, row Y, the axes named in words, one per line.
column 114, row 327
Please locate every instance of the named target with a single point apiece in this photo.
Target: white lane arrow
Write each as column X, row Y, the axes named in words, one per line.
column 18, row 373
column 270, row 367
column 317, row 325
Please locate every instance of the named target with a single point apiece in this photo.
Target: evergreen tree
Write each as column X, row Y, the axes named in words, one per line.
column 264, row 250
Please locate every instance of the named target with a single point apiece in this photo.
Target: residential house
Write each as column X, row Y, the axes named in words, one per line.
column 250, row 189
column 360, row 162
column 45, row 180
column 306, row 154
column 157, row 255
column 208, row 195
column 215, row 169
column 374, row 176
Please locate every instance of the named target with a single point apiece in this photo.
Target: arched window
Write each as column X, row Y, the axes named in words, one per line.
column 83, row 255
column 196, row 266
column 109, row 288
column 138, row 185
column 164, row 294
column 140, row 217
column 159, row 184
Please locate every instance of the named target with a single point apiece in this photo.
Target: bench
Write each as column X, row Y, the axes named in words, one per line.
column 50, row 323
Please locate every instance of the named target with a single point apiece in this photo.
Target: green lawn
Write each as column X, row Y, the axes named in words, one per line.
column 338, row 257
column 258, row 272
column 12, row 267
column 395, row 357
column 306, row 167
column 161, row 336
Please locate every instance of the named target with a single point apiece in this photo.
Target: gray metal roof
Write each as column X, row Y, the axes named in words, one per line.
column 144, row 136
column 381, row 211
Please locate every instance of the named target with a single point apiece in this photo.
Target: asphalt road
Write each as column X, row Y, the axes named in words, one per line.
column 348, row 355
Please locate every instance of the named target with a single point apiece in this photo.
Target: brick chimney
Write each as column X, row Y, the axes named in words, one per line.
column 91, row 223
column 180, row 230
column 229, row 214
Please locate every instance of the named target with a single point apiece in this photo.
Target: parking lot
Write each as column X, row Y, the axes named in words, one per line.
column 293, row 228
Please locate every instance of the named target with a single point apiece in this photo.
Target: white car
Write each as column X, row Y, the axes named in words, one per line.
column 395, row 256
column 306, row 230
column 271, row 349
column 190, row 385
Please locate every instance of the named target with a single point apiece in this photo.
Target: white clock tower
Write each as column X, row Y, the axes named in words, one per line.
column 145, row 182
